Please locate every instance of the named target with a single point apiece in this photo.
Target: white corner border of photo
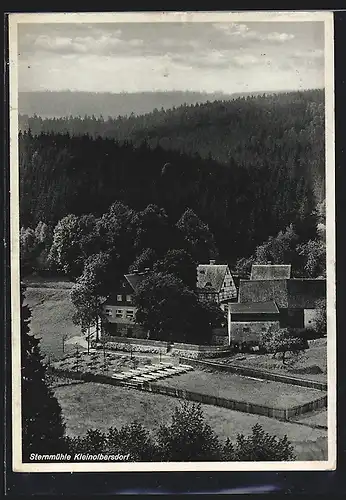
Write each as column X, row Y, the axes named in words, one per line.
column 137, row 17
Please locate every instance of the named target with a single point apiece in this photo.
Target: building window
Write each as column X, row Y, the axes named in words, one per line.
column 128, row 298
column 129, row 314
column 119, row 313
column 119, row 298
column 108, row 312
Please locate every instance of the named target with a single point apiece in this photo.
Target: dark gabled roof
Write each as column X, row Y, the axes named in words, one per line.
column 126, row 286
column 305, row 293
column 135, row 279
column 264, row 291
column 296, row 293
column 270, row 271
column 211, row 276
column 254, row 308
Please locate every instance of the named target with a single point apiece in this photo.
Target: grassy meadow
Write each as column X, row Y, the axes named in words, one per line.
column 99, row 406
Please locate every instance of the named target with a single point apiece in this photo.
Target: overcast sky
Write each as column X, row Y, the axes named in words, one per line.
column 228, row 57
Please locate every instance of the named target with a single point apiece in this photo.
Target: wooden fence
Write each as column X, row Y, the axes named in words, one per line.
column 231, row 404
column 255, row 372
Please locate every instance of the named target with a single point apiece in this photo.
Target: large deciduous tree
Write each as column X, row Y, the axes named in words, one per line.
column 181, row 264
column 200, row 240
column 313, row 254
column 153, row 230
column 117, row 232
column 279, row 249
column 145, row 260
column 74, row 240
column 169, row 310
column 87, row 295
column 88, row 308
column 282, row 340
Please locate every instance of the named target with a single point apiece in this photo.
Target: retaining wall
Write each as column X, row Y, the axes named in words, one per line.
column 176, row 349
column 254, row 372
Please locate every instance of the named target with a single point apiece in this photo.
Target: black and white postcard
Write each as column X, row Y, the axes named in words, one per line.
column 172, row 241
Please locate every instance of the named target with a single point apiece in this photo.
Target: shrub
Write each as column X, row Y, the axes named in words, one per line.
column 321, row 320
column 282, row 340
column 188, row 437
column 260, row 446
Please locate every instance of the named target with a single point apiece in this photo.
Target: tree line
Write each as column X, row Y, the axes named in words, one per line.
column 96, row 252
column 62, row 175
column 252, row 132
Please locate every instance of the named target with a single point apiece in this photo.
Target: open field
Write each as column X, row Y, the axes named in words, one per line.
column 231, row 386
column 314, row 418
column 51, row 317
column 312, row 360
column 99, row 406
column 47, row 282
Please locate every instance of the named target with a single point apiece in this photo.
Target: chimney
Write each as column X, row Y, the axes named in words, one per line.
column 135, row 271
column 212, row 262
column 147, row 269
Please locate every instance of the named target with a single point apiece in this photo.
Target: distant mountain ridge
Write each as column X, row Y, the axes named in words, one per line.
column 50, row 104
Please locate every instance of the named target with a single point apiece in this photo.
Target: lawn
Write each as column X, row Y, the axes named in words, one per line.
column 314, row 418
column 231, row 386
column 51, row 317
column 311, row 365
column 99, row 406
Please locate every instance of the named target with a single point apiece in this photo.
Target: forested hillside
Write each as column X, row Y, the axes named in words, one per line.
column 61, row 175
column 280, row 131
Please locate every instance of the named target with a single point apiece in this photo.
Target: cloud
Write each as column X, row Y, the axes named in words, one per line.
column 317, row 54
column 116, row 57
column 243, row 32
column 103, row 44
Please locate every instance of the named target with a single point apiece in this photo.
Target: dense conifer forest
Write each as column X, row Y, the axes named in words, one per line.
column 248, row 167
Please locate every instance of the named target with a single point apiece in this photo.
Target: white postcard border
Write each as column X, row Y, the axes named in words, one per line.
column 139, row 17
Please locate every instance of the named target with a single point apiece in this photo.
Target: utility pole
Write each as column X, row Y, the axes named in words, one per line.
column 88, row 339
column 64, row 337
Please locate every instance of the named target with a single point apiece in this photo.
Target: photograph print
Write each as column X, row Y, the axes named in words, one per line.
column 172, row 241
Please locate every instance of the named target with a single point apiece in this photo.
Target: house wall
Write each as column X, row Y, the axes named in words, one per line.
column 310, row 317
column 122, row 314
column 219, row 336
column 208, row 296
column 228, row 289
column 293, row 318
column 242, row 331
column 124, row 330
column 122, row 326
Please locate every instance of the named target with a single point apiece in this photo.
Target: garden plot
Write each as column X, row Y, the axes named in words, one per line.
column 239, row 388
column 106, row 363
column 311, row 365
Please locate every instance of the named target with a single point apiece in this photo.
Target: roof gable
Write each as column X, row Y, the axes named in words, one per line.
column 211, row 276
column 270, row 271
column 135, row 279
